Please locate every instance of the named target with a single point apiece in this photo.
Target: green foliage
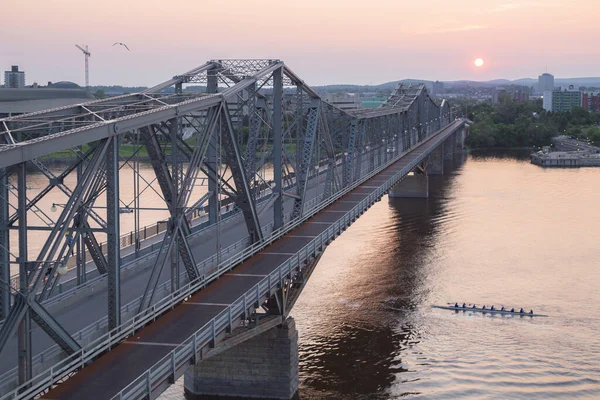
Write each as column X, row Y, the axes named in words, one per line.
column 526, row 124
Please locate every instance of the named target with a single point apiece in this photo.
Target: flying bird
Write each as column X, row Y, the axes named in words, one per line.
column 122, row 44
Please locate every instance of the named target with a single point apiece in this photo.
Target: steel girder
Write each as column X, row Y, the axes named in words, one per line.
column 113, row 258
column 178, row 228
column 213, row 201
column 4, row 245
column 360, row 148
column 243, row 195
column 24, row 336
column 349, row 161
column 278, row 162
column 31, row 272
column 306, row 157
column 58, row 182
column 254, row 127
column 158, row 162
column 331, row 161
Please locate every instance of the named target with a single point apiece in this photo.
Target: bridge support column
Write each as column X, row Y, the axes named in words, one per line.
column 415, row 186
column 435, row 164
column 265, row 366
column 449, row 147
column 460, row 136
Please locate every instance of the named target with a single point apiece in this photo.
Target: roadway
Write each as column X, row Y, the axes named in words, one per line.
column 111, row 372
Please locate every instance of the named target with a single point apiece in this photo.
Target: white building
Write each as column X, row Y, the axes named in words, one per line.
column 345, row 101
column 14, row 78
column 545, row 83
column 547, row 100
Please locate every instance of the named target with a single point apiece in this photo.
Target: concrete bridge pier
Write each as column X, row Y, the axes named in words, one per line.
column 435, row 162
column 449, row 147
column 460, row 136
column 414, row 185
column 264, row 367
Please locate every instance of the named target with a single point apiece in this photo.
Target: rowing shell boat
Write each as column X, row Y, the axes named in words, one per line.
column 488, row 311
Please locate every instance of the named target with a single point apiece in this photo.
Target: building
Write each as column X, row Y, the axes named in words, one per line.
column 497, row 93
column 547, row 100
column 14, row 101
column 545, row 83
column 14, row 78
column 345, row 101
column 438, row 88
column 591, row 101
column 520, row 95
column 563, row 101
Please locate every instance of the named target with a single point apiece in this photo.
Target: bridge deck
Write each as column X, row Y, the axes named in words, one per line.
column 111, row 372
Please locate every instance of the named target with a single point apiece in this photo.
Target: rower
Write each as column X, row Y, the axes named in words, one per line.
column 512, row 309
column 456, row 305
column 474, row 306
column 502, row 309
column 483, row 308
column 464, row 305
column 530, row 311
column 492, row 308
column 521, row 311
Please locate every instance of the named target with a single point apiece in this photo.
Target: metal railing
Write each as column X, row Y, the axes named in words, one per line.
column 143, row 385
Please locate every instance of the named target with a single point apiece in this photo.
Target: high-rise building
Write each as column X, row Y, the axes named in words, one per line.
column 547, row 100
column 14, row 78
column 497, row 93
column 565, row 100
column 591, row 101
column 520, row 95
column 545, row 82
column 438, row 88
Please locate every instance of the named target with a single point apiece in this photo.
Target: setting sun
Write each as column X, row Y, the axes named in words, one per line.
column 478, row 62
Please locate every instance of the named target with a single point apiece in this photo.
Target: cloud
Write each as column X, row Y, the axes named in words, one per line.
column 513, row 5
column 460, row 29
column 435, row 30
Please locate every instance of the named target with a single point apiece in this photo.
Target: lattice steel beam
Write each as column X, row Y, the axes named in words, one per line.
column 278, row 162
column 307, row 156
column 243, row 198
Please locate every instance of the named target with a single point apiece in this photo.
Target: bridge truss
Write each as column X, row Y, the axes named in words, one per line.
column 253, row 136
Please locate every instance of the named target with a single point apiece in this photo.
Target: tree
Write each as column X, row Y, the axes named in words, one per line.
column 99, row 94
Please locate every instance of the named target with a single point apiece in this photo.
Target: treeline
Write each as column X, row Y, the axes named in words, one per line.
column 524, row 124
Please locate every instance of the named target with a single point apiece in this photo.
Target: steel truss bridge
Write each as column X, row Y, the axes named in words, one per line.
column 258, row 175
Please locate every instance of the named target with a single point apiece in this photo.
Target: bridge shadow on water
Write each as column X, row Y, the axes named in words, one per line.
column 359, row 315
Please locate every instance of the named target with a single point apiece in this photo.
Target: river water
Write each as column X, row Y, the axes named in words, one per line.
column 495, row 230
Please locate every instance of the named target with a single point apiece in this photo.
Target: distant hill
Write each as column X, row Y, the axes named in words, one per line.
column 389, row 86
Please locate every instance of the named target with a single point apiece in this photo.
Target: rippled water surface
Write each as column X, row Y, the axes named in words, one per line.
column 495, row 230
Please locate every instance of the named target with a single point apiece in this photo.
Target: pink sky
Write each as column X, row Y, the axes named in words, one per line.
column 323, row 41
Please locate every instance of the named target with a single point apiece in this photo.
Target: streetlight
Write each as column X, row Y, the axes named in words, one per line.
column 62, row 269
column 53, row 208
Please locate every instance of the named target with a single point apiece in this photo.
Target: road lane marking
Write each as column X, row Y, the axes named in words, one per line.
column 193, row 303
column 300, row 236
column 255, row 275
column 154, row 344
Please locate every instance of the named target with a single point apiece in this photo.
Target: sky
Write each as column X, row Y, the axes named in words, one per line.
column 323, row 41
